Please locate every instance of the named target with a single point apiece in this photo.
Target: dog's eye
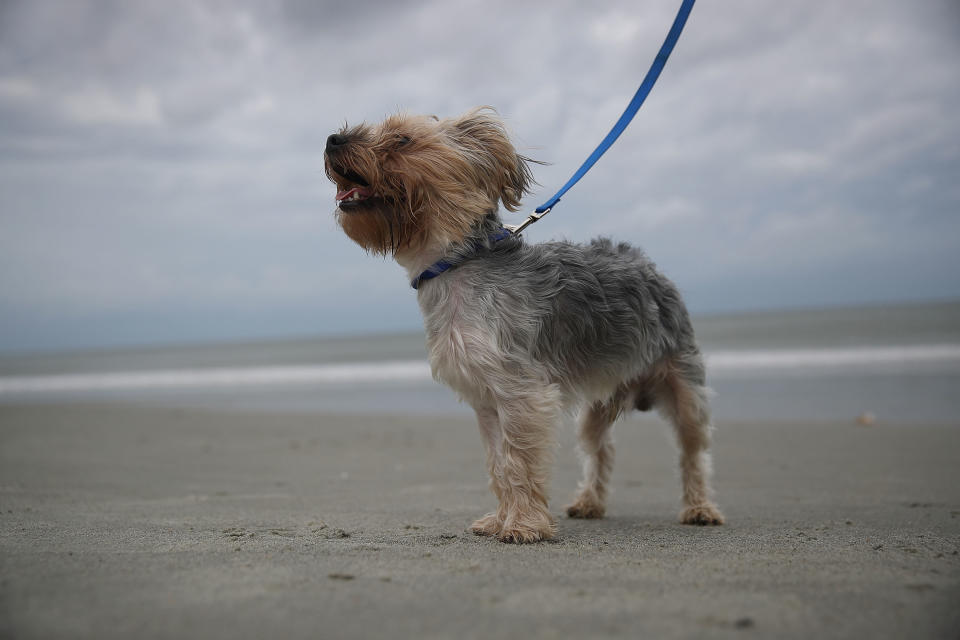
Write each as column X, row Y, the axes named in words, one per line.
column 402, row 141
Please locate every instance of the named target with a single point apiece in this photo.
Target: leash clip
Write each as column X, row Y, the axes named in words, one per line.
column 515, row 229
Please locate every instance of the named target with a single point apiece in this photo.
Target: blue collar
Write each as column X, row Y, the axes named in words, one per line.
column 440, row 266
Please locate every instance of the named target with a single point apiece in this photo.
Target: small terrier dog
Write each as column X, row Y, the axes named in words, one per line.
column 523, row 332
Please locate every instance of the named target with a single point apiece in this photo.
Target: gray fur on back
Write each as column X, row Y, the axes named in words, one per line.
column 586, row 317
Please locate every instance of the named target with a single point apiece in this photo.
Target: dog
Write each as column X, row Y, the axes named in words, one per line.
column 523, row 332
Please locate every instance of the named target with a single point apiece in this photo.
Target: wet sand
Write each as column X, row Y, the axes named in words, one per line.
column 120, row 522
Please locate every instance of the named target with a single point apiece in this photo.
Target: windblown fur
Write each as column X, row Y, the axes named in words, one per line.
column 523, row 332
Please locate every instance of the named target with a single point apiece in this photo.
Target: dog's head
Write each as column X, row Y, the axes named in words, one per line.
column 413, row 181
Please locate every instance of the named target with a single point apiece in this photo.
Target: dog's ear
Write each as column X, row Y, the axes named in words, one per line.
column 506, row 173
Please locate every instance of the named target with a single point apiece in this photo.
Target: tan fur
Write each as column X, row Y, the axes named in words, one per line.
column 688, row 412
column 596, row 447
column 685, row 408
column 434, row 191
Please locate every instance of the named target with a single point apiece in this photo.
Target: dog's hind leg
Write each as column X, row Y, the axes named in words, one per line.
column 682, row 398
column 596, row 449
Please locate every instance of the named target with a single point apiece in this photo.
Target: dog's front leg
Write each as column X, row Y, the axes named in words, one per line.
column 489, row 422
column 520, row 464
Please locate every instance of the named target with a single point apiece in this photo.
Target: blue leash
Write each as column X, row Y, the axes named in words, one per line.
column 651, row 78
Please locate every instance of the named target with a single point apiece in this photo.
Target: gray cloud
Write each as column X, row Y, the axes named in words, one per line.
column 161, row 170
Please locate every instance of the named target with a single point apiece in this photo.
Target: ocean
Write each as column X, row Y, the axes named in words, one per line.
column 898, row 363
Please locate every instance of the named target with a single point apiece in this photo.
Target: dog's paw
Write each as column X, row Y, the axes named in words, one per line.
column 701, row 514
column 587, row 509
column 488, row 525
column 530, row 526
column 521, row 534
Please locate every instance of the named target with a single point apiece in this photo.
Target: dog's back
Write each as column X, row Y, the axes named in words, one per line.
column 589, row 317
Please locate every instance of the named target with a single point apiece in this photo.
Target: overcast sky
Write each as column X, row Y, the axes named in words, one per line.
column 161, row 171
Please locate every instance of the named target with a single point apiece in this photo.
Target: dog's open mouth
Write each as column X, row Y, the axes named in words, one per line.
column 355, row 194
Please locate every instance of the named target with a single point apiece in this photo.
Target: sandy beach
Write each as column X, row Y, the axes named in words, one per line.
column 122, row 521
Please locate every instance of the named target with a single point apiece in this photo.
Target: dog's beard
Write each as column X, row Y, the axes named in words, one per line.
column 377, row 225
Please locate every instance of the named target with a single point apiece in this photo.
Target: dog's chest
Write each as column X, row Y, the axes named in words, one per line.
column 461, row 333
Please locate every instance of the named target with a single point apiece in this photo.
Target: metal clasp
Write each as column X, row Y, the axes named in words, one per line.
column 533, row 217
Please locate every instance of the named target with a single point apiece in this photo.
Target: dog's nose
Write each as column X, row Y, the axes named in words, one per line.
column 335, row 141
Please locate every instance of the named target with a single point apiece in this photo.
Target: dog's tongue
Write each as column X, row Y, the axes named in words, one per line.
column 363, row 192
